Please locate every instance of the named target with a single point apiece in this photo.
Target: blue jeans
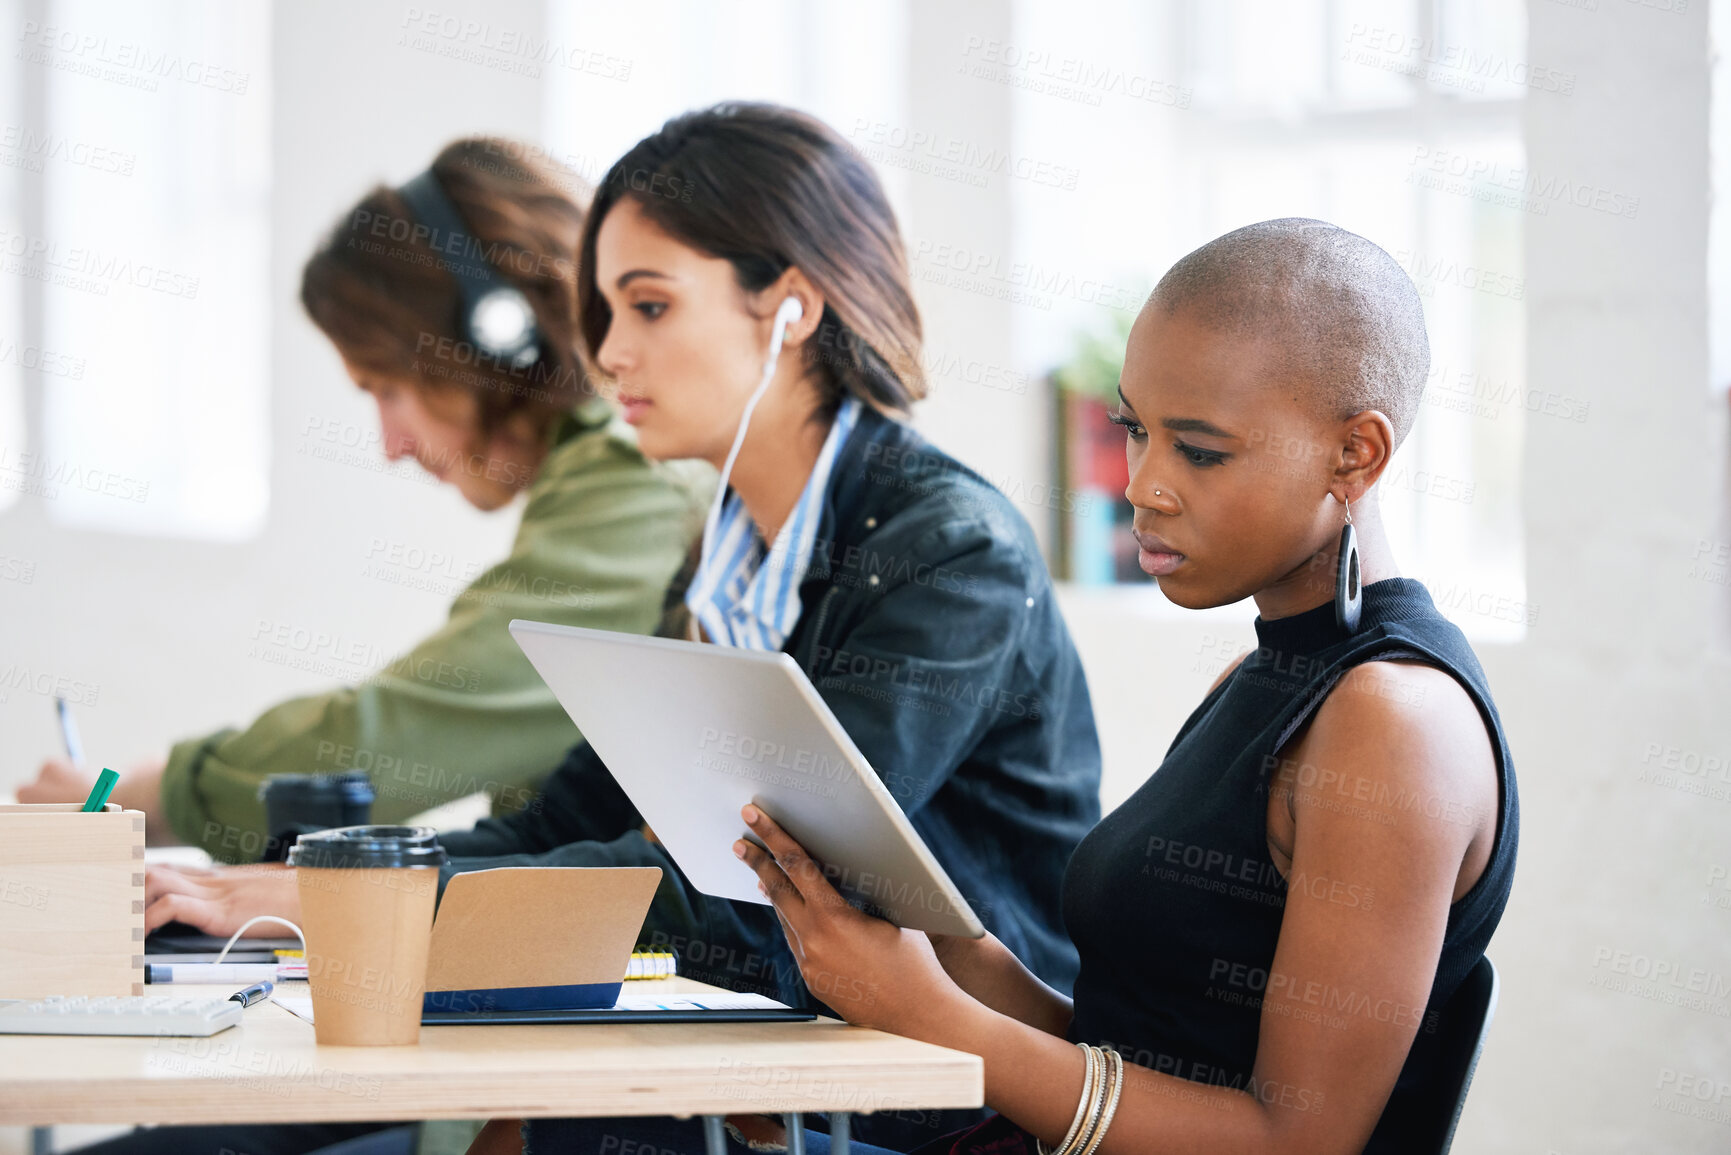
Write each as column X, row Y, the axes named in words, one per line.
column 261, row 1139
column 648, row 1136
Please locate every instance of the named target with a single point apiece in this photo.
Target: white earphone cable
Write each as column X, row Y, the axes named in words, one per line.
column 789, row 312
column 229, row 945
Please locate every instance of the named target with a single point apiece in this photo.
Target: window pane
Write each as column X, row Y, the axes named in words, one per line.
column 841, row 61
column 155, row 246
column 1479, row 53
column 1373, row 48
column 17, row 465
column 1266, row 56
column 1290, row 117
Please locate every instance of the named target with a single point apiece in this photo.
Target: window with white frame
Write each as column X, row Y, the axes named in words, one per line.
column 14, row 344
column 845, row 63
column 1399, row 120
column 1710, row 560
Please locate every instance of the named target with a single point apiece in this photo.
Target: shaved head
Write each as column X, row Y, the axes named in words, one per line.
column 1341, row 317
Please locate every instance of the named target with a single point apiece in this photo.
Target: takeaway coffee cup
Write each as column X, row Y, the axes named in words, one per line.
column 367, row 895
column 297, row 803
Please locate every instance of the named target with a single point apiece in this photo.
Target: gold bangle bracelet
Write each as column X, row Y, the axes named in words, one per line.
column 1085, row 1140
column 1090, row 1075
column 1096, row 1106
column 1117, row 1086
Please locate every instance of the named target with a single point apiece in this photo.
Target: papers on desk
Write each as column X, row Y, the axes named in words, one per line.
column 711, row 1001
column 640, row 1007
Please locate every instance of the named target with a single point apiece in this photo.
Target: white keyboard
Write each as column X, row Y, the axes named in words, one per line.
column 131, row 1015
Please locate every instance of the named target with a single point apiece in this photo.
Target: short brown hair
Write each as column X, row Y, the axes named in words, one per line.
column 386, row 299
column 766, row 187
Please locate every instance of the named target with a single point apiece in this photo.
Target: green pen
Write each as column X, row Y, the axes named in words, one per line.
column 99, row 793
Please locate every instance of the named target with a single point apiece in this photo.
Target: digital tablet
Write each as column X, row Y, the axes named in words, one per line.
column 692, row 732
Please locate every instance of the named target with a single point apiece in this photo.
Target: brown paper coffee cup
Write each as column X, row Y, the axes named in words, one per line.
column 367, row 896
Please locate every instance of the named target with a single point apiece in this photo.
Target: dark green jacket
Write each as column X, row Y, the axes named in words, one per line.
column 603, row 533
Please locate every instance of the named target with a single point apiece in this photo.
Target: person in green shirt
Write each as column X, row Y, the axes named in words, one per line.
column 603, row 528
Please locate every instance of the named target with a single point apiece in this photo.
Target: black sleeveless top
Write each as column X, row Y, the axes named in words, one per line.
column 1173, row 901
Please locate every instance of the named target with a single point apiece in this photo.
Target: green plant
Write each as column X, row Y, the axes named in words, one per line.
column 1092, row 370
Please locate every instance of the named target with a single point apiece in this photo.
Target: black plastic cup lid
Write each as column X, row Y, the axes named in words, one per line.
column 353, row 784
column 364, row 847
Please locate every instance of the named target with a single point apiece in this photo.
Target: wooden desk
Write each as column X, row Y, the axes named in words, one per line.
column 269, row 1069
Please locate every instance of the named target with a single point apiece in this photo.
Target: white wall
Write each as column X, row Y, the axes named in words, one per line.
column 1000, row 434
column 1624, row 655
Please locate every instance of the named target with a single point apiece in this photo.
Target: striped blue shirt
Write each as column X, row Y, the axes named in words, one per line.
column 748, row 596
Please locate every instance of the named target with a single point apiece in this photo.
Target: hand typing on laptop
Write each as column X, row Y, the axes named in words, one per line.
column 218, row 899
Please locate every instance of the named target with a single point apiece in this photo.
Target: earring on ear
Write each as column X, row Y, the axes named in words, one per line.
column 1348, row 595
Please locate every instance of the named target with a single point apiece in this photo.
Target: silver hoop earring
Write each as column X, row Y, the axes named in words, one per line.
column 1348, row 594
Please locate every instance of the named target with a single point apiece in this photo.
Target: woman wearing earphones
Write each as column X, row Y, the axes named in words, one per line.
column 760, row 317
column 450, row 301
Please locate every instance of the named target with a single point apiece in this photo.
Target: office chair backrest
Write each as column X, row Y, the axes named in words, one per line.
column 1465, row 1021
column 1422, row 1112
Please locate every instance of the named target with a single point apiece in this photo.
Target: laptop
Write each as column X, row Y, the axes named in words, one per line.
column 522, row 944
column 693, row 732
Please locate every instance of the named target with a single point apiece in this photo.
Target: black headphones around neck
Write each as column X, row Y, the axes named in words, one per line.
column 493, row 314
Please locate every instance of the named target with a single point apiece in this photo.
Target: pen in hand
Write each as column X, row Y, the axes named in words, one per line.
column 75, row 754
column 69, row 732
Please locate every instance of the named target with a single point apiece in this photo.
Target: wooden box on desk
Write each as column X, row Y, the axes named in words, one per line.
column 71, row 901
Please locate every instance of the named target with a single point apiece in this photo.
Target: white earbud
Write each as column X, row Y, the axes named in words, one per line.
column 789, row 312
